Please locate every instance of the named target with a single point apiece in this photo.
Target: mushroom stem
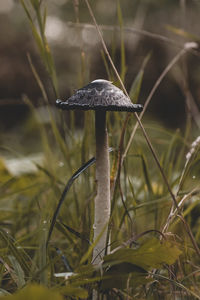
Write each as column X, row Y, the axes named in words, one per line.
column 102, row 199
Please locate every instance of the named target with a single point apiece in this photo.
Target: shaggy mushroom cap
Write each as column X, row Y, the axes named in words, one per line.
column 102, row 95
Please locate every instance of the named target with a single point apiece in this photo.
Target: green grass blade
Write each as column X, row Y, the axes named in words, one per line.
column 137, row 83
column 122, row 44
column 19, row 273
column 20, row 255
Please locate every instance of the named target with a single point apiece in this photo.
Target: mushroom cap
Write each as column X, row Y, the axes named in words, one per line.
column 100, row 94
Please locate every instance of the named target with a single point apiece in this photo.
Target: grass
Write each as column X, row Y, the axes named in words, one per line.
column 154, row 241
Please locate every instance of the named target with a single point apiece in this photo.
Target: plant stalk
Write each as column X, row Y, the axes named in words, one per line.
column 102, row 199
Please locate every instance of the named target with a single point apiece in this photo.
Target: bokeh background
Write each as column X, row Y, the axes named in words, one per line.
column 71, row 36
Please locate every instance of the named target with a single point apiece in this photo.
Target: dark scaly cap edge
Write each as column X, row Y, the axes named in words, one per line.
column 129, row 108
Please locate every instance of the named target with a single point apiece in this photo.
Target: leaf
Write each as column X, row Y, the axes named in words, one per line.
column 34, row 292
column 152, row 254
column 119, row 280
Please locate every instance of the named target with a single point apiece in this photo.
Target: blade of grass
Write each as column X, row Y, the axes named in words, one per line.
column 123, row 56
column 177, row 57
column 137, row 83
column 88, row 254
column 76, row 233
column 20, row 280
column 106, row 65
column 176, row 283
column 65, row 191
column 41, row 40
column 182, row 33
column 42, row 253
column 18, row 254
column 37, row 78
column 56, row 132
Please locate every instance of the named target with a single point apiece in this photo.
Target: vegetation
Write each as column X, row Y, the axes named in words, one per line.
column 47, row 216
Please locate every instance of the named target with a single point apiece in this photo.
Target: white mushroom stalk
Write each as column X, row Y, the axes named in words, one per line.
column 100, row 95
column 102, row 199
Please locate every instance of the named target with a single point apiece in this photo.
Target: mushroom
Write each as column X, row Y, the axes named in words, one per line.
column 100, row 95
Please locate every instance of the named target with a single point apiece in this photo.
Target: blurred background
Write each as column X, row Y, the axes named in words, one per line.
column 132, row 30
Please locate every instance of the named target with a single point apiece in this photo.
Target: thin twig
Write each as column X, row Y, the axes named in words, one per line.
column 134, row 30
column 173, row 212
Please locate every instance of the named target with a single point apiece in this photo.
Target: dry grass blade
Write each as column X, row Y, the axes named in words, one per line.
column 156, row 85
column 132, row 30
column 37, row 78
column 178, row 284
